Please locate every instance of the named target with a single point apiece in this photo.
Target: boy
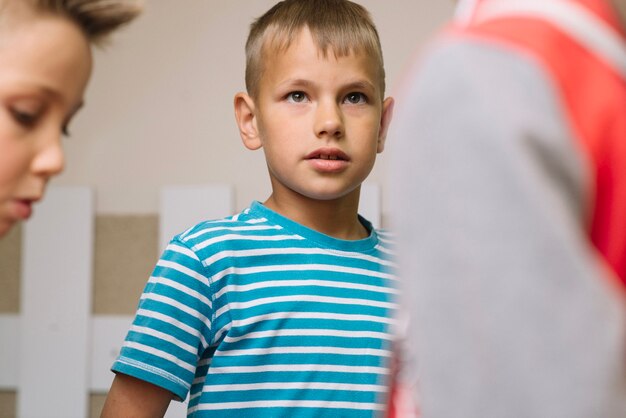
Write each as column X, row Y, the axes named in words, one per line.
column 282, row 310
column 45, row 64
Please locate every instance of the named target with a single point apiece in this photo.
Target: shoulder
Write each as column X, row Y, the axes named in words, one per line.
column 210, row 228
column 247, row 228
column 481, row 85
column 477, row 66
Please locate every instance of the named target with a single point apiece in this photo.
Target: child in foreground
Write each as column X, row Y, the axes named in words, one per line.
column 513, row 255
column 45, row 64
column 282, row 310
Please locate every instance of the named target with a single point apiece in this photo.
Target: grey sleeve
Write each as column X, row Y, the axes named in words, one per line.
column 510, row 313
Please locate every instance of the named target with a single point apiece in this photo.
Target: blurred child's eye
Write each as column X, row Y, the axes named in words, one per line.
column 26, row 119
column 355, row 98
column 26, row 111
column 296, row 97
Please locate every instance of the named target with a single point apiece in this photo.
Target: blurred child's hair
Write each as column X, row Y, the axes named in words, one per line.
column 341, row 26
column 96, row 18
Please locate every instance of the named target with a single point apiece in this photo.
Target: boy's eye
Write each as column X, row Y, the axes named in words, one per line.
column 355, row 98
column 296, row 97
column 26, row 111
column 26, row 119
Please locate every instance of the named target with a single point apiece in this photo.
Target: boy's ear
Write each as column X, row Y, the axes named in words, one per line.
column 385, row 121
column 246, row 121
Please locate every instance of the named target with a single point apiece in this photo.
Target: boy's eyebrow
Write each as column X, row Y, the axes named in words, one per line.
column 361, row 85
column 56, row 95
column 48, row 91
column 297, row 82
column 42, row 88
column 356, row 85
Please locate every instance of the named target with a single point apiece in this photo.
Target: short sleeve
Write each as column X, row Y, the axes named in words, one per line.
column 172, row 325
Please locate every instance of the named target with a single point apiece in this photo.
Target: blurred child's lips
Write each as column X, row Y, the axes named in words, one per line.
column 22, row 208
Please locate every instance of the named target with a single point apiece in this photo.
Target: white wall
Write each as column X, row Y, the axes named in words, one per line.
column 159, row 106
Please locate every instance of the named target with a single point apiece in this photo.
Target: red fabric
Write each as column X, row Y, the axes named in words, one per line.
column 605, row 11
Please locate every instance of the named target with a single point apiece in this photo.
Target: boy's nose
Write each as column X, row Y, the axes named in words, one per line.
column 49, row 159
column 328, row 122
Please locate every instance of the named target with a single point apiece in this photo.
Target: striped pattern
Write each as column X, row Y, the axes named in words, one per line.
column 255, row 315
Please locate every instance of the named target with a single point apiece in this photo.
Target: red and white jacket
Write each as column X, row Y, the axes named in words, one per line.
column 510, row 205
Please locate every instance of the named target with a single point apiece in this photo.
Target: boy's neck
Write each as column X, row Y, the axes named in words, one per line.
column 337, row 218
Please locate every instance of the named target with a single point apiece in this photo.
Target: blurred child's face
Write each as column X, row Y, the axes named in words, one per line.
column 45, row 63
column 320, row 120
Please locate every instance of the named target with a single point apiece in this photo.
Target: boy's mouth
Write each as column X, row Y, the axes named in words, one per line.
column 329, row 157
column 328, row 160
column 330, row 154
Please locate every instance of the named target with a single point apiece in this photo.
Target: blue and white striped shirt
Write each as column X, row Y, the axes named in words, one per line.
column 256, row 315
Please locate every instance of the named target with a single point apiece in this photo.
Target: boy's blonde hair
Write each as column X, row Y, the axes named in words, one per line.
column 341, row 26
column 96, row 18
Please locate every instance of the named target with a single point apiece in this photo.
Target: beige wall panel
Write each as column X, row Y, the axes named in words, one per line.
column 96, row 402
column 126, row 252
column 10, row 271
column 8, row 400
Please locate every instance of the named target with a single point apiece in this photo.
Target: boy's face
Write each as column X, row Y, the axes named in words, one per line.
column 320, row 120
column 45, row 63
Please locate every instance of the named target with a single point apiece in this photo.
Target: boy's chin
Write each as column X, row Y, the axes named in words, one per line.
column 330, row 195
